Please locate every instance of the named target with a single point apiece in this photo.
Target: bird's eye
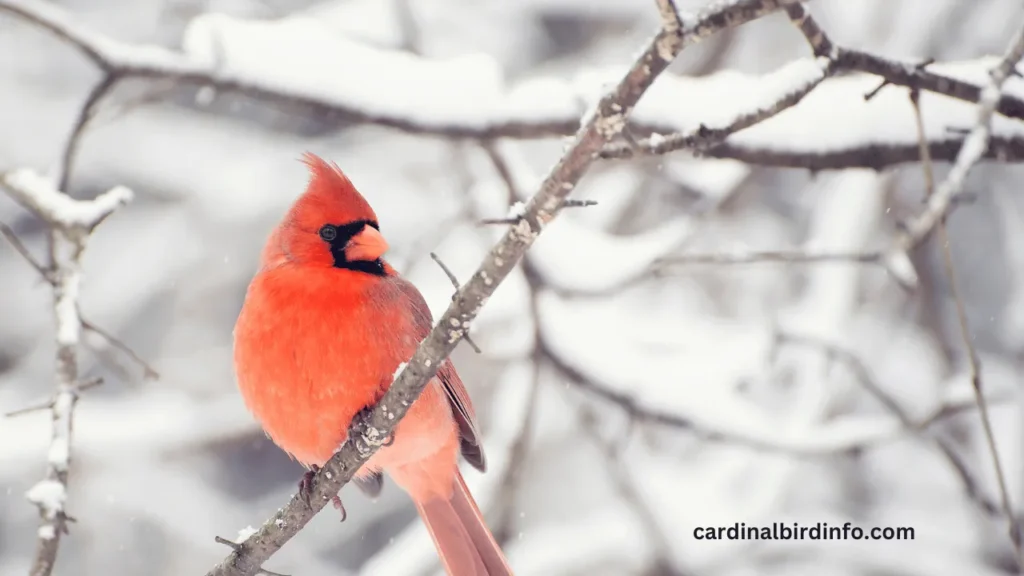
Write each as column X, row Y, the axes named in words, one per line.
column 328, row 233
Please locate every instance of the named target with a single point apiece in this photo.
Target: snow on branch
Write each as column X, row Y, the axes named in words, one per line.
column 775, row 92
column 827, row 122
column 972, row 150
column 940, row 202
column 58, row 209
column 71, row 222
column 801, row 115
column 605, row 121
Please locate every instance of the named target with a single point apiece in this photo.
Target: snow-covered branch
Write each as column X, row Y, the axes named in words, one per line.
column 468, row 97
column 600, row 125
column 972, row 150
column 38, row 194
column 780, row 91
column 71, row 222
column 940, row 202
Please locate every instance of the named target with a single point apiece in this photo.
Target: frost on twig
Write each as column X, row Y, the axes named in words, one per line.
column 71, row 222
column 607, row 121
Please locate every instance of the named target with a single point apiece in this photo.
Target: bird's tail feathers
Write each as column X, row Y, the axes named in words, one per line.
column 465, row 545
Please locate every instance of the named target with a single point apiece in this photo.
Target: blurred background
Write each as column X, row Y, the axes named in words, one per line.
column 623, row 403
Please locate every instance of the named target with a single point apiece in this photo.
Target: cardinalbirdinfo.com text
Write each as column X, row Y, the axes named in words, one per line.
column 794, row 531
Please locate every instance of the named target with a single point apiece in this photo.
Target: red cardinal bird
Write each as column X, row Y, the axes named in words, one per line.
column 325, row 324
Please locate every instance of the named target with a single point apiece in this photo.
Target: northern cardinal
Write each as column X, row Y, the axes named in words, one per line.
column 325, row 324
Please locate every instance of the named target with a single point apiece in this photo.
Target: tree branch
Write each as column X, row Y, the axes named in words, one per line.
column 71, row 222
column 972, row 150
column 923, row 428
column 910, row 75
column 119, row 60
column 47, row 274
column 807, row 78
column 604, row 122
column 876, row 156
column 953, row 186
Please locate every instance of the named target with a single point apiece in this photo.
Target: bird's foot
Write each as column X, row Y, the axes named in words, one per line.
column 339, row 506
column 306, row 484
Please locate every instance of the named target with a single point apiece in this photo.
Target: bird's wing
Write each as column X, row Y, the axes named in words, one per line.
column 455, row 390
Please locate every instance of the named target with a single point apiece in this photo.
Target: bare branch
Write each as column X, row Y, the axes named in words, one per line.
column 1014, row 53
column 148, row 371
column 621, row 476
column 47, row 403
column 605, row 122
column 897, row 264
column 20, row 248
column 516, row 212
column 944, row 446
column 71, row 222
column 876, row 156
column 512, row 479
column 782, row 256
column 85, row 115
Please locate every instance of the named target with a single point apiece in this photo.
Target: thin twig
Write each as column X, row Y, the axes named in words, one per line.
column 12, row 238
column 1014, row 53
column 873, row 155
column 71, row 222
column 513, row 477
column 974, row 145
column 619, row 473
column 779, row 256
column 148, row 372
column 85, row 115
column 510, row 483
column 47, row 403
column 20, row 248
column 864, row 377
column 516, row 218
column 366, row 435
column 455, row 284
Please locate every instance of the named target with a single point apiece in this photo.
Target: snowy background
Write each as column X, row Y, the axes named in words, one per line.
column 624, row 402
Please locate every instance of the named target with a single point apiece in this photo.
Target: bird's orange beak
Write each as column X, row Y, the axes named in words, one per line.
column 367, row 245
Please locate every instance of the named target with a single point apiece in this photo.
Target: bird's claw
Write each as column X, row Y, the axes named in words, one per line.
column 339, row 506
column 306, row 485
column 362, row 419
